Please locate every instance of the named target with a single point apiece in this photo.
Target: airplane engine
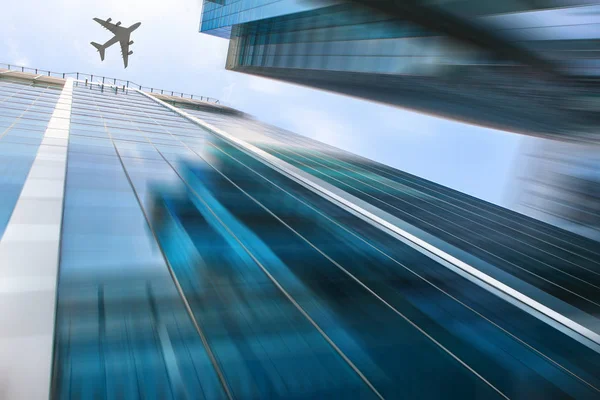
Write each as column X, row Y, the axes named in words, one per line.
column 131, row 42
column 130, row 53
column 118, row 23
column 108, row 20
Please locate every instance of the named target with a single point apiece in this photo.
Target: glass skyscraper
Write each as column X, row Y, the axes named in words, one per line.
column 166, row 248
column 525, row 67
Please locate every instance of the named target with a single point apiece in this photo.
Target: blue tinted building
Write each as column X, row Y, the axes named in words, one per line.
column 156, row 246
column 525, row 68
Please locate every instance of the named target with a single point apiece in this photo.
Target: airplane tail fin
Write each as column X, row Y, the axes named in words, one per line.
column 100, row 48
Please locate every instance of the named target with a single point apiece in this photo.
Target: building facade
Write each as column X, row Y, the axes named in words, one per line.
column 156, row 247
column 531, row 69
column 560, row 183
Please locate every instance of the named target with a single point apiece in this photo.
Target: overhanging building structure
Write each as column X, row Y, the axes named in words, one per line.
column 159, row 247
column 529, row 67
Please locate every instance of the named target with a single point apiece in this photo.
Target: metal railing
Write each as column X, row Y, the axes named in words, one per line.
column 106, row 80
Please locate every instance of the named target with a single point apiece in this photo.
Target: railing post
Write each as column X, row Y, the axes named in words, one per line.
column 78, row 76
column 85, row 81
column 36, row 71
column 22, row 69
column 103, row 81
column 115, row 81
column 48, row 73
column 63, row 75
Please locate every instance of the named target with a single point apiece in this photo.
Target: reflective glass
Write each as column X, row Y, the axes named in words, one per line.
column 21, row 106
column 554, row 267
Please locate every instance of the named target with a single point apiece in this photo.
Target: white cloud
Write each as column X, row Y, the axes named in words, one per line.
column 22, row 62
column 264, row 85
column 227, row 92
column 13, row 50
column 322, row 126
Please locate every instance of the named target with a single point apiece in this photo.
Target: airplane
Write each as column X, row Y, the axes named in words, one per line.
column 121, row 35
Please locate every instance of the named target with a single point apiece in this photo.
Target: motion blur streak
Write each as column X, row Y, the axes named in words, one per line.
column 529, row 67
column 281, row 281
column 526, row 67
column 190, row 268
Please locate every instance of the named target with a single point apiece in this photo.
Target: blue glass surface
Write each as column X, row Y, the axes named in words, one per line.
column 24, row 114
column 306, row 243
column 122, row 328
column 511, row 247
column 217, row 14
column 347, row 38
column 190, row 269
column 364, row 264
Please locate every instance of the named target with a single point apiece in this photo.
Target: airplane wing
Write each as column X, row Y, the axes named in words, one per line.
column 107, row 25
column 125, row 50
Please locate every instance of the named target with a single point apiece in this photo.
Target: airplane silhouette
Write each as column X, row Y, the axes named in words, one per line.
column 121, row 35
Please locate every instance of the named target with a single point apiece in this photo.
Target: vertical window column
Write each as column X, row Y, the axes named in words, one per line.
column 29, row 257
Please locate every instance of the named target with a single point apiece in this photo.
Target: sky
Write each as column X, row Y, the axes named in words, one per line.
column 170, row 54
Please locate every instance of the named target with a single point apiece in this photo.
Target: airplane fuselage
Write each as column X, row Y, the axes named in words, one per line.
column 111, row 41
column 122, row 34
